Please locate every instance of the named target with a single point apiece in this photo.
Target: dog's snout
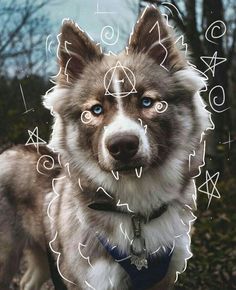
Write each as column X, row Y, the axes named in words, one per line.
column 123, row 147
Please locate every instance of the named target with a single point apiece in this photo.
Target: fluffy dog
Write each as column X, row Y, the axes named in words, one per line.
column 114, row 209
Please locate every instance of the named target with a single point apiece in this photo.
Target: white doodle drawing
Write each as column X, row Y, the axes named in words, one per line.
column 38, row 140
column 124, row 204
column 229, row 141
column 212, row 62
column 217, row 25
column 115, row 174
column 25, row 105
column 139, row 171
column 49, row 160
column 144, row 126
column 108, row 35
column 128, row 78
column 124, row 233
column 159, row 43
column 209, row 186
column 98, row 11
column 86, row 117
column 81, row 254
column 58, row 259
column 161, row 107
column 213, row 100
column 106, row 193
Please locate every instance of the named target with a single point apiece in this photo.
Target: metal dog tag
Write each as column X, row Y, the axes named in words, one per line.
column 137, row 246
column 139, row 261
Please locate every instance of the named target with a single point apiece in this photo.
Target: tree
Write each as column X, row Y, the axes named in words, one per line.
column 21, row 45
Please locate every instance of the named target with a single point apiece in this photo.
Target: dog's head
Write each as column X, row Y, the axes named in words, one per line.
column 124, row 112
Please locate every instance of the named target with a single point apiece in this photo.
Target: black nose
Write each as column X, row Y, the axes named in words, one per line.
column 123, row 147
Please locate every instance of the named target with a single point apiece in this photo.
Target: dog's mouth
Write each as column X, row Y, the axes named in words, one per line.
column 128, row 170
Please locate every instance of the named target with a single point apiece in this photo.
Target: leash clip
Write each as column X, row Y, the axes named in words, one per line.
column 137, row 246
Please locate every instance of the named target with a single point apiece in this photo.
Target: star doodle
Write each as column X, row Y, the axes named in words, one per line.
column 209, row 186
column 212, row 61
column 32, row 141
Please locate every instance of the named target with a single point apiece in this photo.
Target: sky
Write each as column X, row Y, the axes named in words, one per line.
column 107, row 22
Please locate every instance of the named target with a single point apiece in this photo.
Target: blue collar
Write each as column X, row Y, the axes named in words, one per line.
column 146, row 277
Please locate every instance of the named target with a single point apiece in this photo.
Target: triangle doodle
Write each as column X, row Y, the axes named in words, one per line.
column 127, row 79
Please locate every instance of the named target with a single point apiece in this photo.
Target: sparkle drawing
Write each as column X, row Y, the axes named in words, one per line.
column 229, row 141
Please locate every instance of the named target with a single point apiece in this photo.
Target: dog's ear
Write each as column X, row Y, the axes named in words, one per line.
column 154, row 37
column 76, row 50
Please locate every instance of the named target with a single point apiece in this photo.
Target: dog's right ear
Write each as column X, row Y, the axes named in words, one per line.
column 76, row 50
column 154, row 37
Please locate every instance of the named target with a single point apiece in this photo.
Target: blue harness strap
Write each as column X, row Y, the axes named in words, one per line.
column 146, row 277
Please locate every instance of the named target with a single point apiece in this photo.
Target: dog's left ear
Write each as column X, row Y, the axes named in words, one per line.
column 76, row 50
column 152, row 36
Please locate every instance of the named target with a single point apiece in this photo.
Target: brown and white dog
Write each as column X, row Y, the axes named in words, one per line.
column 124, row 129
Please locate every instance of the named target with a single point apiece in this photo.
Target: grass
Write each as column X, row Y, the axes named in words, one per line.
column 213, row 265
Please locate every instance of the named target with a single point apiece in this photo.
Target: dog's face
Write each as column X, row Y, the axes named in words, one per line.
column 128, row 111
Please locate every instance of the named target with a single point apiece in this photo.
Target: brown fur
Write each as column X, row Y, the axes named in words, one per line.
column 26, row 193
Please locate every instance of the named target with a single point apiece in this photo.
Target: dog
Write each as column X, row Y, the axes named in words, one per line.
column 108, row 204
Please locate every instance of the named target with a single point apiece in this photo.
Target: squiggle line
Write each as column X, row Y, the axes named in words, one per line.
column 124, row 233
column 159, row 42
column 85, row 258
column 117, row 177
column 57, row 195
column 100, row 187
column 58, row 259
column 124, row 204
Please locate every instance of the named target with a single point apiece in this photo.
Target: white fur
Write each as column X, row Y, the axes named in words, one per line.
column 191, row 79
column 104, row 275
column 124, row 125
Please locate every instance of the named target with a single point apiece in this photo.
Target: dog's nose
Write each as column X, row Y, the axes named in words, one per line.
column 123, row 147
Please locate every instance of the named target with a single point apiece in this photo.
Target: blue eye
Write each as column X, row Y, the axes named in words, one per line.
column 97, row 110
column 146, row 102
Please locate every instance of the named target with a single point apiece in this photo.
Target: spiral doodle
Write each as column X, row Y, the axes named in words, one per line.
column 47, row 164
column 217, row 101
column 86, row 117
column 108, row 34
column 217, row 25
column 161, row 107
